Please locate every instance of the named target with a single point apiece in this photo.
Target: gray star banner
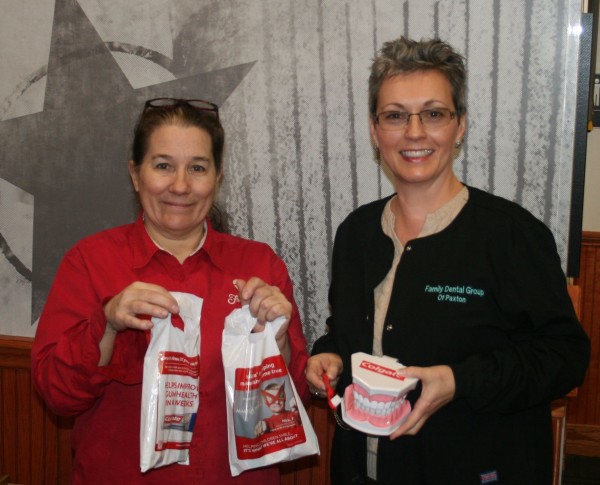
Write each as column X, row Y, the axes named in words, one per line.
column 290, row 78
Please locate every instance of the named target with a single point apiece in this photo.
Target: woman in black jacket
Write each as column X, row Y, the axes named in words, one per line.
column 463, row 287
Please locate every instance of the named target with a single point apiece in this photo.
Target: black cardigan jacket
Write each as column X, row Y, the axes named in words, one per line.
column 486, row 296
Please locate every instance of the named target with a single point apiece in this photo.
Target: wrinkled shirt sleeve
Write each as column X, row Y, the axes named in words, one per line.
column 550, row 353
column 66, row 352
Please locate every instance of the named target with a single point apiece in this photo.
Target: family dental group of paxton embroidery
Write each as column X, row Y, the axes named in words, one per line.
column 455, row 294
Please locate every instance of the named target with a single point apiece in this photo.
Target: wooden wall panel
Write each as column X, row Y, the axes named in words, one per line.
column 585, row 409
column 39, row 438
column 34, row 444
column 583, row 416
column 23, row 438
column 315, row 469
column 8, row 430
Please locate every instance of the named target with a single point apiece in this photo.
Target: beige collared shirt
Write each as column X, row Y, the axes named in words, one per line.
column 435, row 222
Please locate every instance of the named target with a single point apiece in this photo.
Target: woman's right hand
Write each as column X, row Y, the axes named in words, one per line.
column 124, row 310
column 328, row 363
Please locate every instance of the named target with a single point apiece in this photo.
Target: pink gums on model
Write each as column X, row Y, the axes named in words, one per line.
column 379, row 410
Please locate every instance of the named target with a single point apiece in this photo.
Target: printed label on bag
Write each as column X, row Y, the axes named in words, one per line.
column 177, row 412
column 266, row 417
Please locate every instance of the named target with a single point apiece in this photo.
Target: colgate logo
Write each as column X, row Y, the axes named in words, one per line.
column 173, row 418
column 378, row 369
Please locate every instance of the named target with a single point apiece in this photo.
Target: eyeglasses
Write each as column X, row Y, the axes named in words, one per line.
column 172, row 103
column 430, row 118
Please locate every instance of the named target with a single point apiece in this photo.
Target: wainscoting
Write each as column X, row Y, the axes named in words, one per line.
column 583, row 414
column 35, row 447
column 34, row 444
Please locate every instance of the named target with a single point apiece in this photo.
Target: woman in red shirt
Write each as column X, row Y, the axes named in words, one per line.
column 88, row 354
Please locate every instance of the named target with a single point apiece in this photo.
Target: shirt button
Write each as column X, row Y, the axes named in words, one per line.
column 389, row 327
column 408, row 248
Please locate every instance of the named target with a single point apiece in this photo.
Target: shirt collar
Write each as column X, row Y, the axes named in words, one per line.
column 213, row 244
column 216, row 248
column 141, row 244
column 193, row 252
column 435, row 221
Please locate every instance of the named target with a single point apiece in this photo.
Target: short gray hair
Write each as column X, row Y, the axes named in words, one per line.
column 402, row 56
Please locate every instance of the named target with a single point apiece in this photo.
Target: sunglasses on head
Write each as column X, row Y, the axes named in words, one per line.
column 172, row 103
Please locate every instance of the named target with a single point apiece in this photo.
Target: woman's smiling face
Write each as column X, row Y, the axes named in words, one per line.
column 177, row 182
column 417, row 154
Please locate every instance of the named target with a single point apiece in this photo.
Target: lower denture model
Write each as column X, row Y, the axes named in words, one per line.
column 375, row 401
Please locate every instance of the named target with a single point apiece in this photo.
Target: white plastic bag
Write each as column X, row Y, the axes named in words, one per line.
column 267, row 422
column 170, row 386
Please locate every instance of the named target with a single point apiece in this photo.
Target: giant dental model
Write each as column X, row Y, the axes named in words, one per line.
column 375, row 401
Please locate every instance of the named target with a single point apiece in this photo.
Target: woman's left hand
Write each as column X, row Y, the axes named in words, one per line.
column 438, row 390
column 266, row 303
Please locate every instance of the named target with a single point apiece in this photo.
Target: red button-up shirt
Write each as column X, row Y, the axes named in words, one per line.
column 107, row 400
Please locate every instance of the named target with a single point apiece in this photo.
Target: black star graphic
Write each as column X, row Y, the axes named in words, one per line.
column 73, row 156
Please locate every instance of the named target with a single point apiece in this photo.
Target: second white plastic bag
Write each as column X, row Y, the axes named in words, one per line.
column 267, row 422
